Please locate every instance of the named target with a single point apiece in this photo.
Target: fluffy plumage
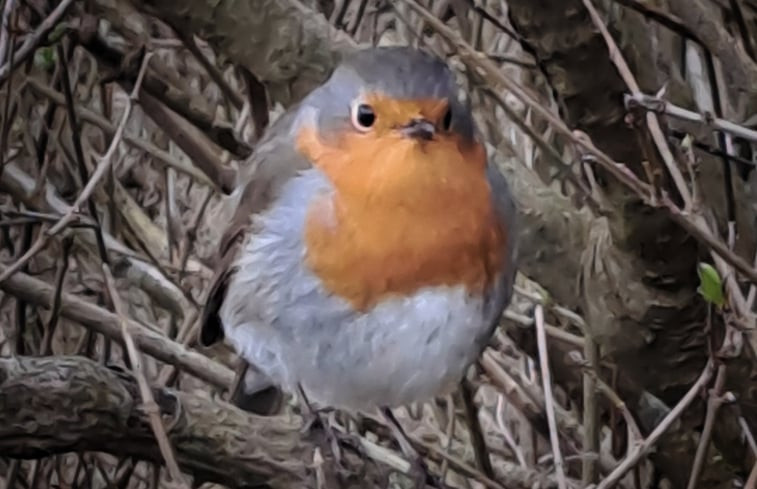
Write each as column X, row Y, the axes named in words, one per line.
column 366, row 266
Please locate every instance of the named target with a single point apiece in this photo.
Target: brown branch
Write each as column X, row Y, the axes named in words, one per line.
column 714, row 401
column 149, row 406
column 192, row 108
column 142, row 274
column 591, row 421
column 476, row 61
column 148, row 340
column 86, row 193
column 5, row 28
column 33, row 41
column 62, row 404
column 554, row 438
column 660, row 106
column 653, row 123
column 203, row 153
column 183, row 165
column 293, row 47
column 645, row 446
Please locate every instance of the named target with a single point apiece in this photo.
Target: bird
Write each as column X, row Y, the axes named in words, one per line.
column 372, row 249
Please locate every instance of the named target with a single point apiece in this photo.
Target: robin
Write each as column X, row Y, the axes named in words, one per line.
column 372, row 250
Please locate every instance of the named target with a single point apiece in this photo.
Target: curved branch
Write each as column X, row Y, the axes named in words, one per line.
column 62, row 404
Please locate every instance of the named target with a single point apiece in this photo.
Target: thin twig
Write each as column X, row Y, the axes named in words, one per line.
column 5, row 28
column 714, row 402
column 480, row 451
column 183, row 165
column 148, row 402
column 213, row 71
column 660, row 106
column 47, row 339
column 76, row 140
column 643, row 448
column 477, row 61
column 554, row 438
column 149, row 340
column 751, row 483
column 653, row 122
column 603, row 387
column 507, row 433
column 591, row 414
column 34, row 39
column 89, row 188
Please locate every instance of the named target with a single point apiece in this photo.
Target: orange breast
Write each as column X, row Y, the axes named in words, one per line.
column 403, row 216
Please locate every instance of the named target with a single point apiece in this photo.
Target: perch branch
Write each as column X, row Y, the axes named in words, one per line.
column 62, row 404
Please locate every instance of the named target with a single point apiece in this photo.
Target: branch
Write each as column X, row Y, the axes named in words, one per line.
column 34, row 40
column 644, row 447
column 660, row 106
column 62, row 404
column 289, row 47
column 148, row 340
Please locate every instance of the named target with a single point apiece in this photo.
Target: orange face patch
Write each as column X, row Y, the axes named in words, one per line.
column 404, row 215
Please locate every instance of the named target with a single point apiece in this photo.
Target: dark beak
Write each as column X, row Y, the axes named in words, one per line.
column 419, row 129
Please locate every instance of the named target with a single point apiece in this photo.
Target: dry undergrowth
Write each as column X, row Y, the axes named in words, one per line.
column 76, row 423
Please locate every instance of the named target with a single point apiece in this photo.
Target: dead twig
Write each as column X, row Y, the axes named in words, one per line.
column 481, row 452
column 34, row 39
column 184, row 166
column 101, row 169
column 714, row 401
column 148, row 402
column 591, row 414
column 554, row 438
column 641, row 449
column 5, row 28
column 99, row 320
column 660, row 106
column 478, row 62
column 652, row 121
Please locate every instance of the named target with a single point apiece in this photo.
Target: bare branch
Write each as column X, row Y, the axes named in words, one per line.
column 151, row 342
column 61, row 404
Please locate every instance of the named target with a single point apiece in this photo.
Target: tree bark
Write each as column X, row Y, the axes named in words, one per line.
column 61, row 404
column 638, row 283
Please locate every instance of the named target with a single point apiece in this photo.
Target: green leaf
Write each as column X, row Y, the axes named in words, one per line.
column 58, row 32
column 44, row 58
column 710, row 284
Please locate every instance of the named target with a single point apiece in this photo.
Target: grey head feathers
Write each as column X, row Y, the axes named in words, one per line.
column 401, row 73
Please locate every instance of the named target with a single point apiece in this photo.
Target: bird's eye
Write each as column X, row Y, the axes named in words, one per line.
column 447, row 121
column 363, row 117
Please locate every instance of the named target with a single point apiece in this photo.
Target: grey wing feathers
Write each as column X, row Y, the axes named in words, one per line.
column 505, row 207
column 274, row 161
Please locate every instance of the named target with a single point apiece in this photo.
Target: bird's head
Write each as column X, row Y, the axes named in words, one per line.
column 390, row 120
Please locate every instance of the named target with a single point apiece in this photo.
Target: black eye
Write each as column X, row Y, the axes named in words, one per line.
column 363, row 117
column 447, row 121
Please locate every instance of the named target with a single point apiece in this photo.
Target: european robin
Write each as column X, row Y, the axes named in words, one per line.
column 372, row 250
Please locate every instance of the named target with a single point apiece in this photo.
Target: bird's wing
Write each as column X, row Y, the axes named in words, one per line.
column 273, row 163
column 507, row 213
